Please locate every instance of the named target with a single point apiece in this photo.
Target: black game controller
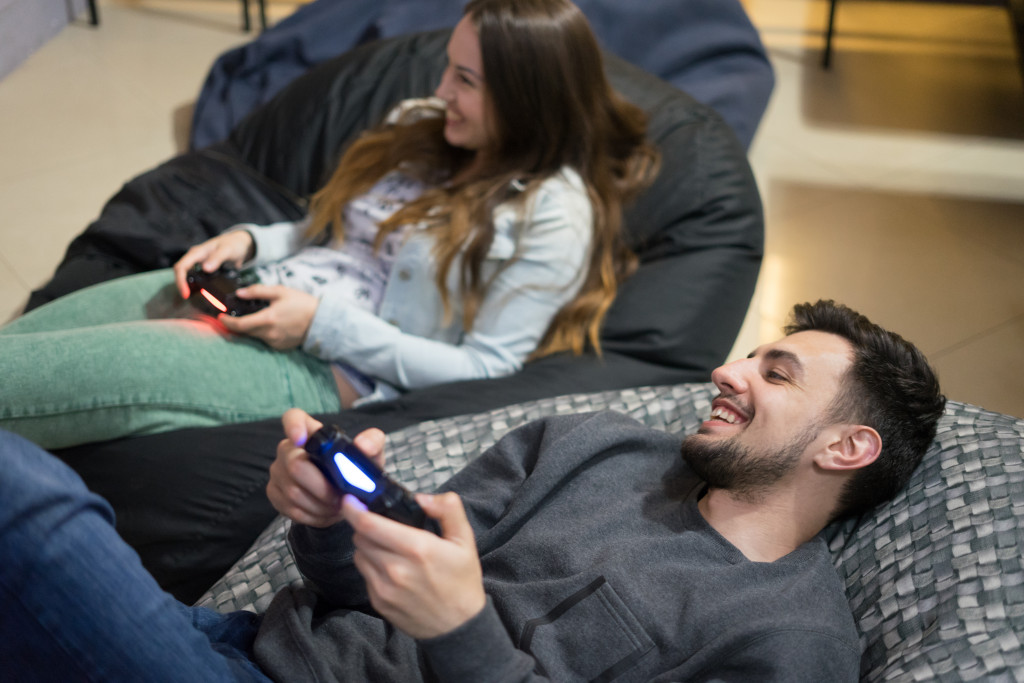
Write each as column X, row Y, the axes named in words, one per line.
column 350, row 471
column 214, row 293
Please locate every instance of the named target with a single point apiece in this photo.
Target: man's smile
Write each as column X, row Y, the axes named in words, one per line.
column 723, row 414
column 724, row 411
column 727, row 411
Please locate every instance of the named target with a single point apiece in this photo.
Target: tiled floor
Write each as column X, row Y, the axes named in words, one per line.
column 893, row 182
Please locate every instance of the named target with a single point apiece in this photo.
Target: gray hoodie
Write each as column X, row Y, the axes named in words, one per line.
column 598, row 566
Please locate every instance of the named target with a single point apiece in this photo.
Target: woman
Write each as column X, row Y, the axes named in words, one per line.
column 453, row 242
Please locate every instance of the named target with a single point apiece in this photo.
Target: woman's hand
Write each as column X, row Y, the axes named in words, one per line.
column 283, row 324
column 424, row 585
column 235, row 247
column 297, row 489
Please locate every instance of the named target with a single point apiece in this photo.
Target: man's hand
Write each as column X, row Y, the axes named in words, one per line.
column 297, row 489
column 283, row 324
column 424, row 585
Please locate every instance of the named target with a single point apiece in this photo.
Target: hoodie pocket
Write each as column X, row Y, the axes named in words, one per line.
column 589, row 636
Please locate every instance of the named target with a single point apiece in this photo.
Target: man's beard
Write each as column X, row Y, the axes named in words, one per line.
column 727, row 464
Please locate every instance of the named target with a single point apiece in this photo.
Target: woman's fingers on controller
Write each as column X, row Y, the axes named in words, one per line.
column 194, row 255
column 259, row 291
column 216, row 258
column 228, row 249
column 182, row 284
column 231, row 247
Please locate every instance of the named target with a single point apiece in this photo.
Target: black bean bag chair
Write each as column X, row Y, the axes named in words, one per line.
column 191, row 501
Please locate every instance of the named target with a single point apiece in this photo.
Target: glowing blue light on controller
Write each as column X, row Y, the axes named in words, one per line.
column 353, row 474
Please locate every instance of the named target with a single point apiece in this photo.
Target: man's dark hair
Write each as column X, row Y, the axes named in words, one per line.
column 890, row 387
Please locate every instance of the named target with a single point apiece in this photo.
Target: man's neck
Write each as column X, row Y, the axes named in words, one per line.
column 763, row 530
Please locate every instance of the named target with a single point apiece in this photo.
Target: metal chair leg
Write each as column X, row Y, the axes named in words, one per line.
column 94, row 16
column 826, row 59
column 1016, row 10
column 246, row 24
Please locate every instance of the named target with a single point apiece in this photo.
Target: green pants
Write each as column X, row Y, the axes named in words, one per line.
column 128, row 357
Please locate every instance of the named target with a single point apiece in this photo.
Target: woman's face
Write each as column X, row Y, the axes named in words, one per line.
column 467, row 120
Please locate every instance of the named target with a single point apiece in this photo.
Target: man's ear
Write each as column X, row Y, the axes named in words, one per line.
column 852, row 447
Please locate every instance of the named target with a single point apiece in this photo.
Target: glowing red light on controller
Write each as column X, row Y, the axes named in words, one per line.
column 213, row 300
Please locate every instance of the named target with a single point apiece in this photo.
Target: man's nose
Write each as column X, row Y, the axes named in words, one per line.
column 731, row 378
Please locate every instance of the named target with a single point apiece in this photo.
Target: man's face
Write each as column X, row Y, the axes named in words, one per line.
column 746, row 471
column 772, row 405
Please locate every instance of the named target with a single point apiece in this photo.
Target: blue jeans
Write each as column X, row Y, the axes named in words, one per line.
column 77, row 603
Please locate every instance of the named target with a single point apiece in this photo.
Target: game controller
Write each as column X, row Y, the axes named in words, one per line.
column 214, row 293
column 350, row 471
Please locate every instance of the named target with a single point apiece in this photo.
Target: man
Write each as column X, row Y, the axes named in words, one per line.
column 578, row 548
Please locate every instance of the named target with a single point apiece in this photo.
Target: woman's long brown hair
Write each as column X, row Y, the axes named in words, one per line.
column 551, row 106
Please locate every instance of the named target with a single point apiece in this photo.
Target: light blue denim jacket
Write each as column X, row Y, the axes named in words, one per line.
column 408, row 345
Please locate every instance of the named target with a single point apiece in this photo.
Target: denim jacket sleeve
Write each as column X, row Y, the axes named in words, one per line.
column 275, row 241
column 544, row 248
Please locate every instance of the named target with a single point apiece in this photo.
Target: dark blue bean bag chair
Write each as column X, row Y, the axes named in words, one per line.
column 706, row 48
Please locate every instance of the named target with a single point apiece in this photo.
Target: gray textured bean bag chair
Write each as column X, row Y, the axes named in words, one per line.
column 935, row 579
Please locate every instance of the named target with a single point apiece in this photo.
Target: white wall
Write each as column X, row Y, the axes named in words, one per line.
column 27, row 24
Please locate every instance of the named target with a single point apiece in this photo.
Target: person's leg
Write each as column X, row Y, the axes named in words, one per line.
column 135, row 297
column 77, row 604
column 68, row 387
